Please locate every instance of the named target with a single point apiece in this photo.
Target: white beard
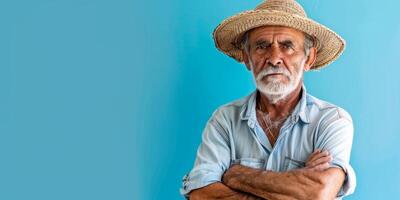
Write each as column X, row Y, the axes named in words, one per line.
column 276, row 90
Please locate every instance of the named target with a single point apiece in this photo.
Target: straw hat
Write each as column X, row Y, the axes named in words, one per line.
column 288, row 13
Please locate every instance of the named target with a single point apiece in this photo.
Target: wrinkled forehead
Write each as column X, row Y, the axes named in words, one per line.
column 276, row 33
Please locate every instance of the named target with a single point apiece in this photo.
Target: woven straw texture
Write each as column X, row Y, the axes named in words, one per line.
column 289, row 13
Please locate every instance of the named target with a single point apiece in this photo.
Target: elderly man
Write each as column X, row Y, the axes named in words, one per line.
column 279, row 142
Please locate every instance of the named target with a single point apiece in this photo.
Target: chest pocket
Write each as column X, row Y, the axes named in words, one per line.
column 290, row 163
column 250, row 162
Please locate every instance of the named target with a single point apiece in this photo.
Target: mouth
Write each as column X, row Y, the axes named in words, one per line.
column 274, row 74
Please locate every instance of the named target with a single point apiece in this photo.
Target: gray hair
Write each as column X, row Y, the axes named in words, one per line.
column 308, row 42
column 244, row 43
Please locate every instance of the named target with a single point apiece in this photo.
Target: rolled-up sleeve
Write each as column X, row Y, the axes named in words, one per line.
column 213, row 156
column 336, row 136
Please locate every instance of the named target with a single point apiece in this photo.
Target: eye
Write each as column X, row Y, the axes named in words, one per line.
column 287, row 45
column 262, row 45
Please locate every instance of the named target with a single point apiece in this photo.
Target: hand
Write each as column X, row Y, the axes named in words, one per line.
column 319, row 160
column 234, row 177
column 229, row 176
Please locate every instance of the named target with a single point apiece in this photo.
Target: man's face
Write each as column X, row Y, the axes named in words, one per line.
column 276, row 57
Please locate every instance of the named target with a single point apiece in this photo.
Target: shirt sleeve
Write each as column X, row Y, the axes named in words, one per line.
column 336, row 136
column 213, row 156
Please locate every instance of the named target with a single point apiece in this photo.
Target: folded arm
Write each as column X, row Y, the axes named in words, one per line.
column 306, row 183
column 219, row 191
column 298, row 184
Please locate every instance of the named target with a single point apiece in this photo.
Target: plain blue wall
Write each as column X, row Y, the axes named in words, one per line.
column 107, row 99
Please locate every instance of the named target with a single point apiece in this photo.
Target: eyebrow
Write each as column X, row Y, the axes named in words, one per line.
column 287, row 42
column 262, row 42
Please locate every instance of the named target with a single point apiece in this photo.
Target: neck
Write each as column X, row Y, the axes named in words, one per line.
column 283, row 107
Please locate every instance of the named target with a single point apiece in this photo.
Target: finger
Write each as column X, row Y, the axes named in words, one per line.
column 321, row 160
column 319, row 155
column 321, row 167
column 316, row 152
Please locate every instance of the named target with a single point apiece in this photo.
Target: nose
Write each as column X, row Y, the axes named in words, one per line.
column 275, row 58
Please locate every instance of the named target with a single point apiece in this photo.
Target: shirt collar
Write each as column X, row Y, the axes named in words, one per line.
column 301, row 108
column 248, row 110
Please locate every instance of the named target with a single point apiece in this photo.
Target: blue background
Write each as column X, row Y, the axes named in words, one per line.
column 108, row 99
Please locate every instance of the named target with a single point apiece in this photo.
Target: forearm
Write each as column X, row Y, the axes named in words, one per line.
column 267, row 184
column 297, row 184
column 219, row 191
column 276, row 185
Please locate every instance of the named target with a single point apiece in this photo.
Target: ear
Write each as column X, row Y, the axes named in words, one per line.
column 311, row 59
column 246, row 59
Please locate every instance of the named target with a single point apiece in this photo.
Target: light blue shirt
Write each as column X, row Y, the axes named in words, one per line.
column 233, row 136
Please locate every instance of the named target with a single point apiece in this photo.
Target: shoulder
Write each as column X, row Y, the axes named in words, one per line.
column 227, row 116
column 323, row 111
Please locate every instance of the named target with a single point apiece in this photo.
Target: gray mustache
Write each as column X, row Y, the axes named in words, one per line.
column 272, row 69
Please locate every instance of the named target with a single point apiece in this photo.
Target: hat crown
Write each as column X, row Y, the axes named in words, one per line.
column 288, row 13
column 288, row 6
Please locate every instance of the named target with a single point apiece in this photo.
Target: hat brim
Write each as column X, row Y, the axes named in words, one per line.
column 228, row 34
